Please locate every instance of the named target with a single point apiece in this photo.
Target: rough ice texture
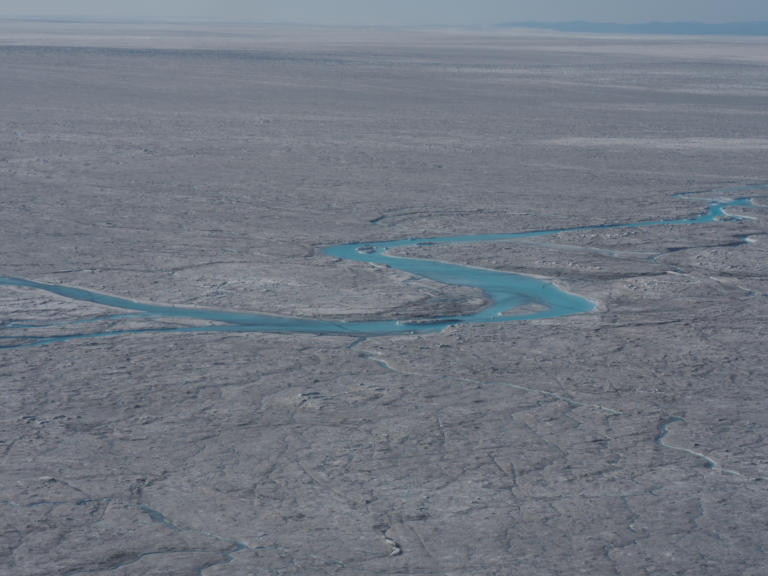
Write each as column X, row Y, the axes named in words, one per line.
column 210, row 167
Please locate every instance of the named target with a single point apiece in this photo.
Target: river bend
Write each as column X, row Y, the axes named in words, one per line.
column 506, row 292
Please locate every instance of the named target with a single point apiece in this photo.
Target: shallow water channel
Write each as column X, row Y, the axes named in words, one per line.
column 505, row 291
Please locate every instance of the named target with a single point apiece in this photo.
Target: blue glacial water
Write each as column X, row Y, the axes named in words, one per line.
column 505, row 291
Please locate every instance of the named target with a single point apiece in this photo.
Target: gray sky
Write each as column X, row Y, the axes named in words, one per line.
column 383, row 12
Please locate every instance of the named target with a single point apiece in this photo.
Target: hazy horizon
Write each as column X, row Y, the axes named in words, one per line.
column 394, row 12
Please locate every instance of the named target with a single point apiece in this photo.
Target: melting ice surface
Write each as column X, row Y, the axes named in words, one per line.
column 504, row 290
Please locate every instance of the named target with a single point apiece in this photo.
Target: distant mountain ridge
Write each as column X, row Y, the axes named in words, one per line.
column 683, row 28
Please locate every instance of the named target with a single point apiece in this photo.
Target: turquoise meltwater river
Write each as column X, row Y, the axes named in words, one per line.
column 506, row 292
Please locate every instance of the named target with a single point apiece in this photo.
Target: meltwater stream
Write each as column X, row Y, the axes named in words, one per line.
column 504, row 290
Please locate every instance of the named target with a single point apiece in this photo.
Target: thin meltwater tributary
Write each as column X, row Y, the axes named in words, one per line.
column 505, row 291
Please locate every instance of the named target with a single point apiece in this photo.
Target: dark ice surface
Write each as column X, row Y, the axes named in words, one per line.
column 212, row 168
